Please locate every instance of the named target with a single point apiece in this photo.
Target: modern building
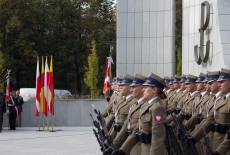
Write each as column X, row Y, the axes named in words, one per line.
column 146, row 36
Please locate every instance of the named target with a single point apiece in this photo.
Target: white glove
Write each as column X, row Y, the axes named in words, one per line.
column 8, row 111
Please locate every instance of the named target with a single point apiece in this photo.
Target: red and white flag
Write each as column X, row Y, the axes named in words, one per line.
column 106, row 87
column 38, row 90
column 8, row 97
column 51, row 88
column 46, row 88
column 7, row 88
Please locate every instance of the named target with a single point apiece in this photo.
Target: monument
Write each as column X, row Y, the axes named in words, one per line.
column 145, row 37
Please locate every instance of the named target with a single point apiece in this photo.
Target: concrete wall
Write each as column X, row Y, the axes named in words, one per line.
column 67, row 113
column 218, row 33
column 146, row 37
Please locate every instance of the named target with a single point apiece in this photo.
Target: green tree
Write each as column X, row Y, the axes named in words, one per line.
column 61, row 28
column 179, row 62
column 178, row 37
column 91, row 78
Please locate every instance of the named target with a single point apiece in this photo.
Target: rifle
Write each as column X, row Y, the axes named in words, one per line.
column 167, row 145
column 101, row 144
column 188, row 147
column 173, row 141
column 103, row 125
column 99, row 134
column 191, row 145
column 207, row 140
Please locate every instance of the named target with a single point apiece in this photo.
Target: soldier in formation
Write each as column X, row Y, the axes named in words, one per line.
column 144, row 110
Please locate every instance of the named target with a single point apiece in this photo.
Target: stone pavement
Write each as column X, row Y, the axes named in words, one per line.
column 65, row 141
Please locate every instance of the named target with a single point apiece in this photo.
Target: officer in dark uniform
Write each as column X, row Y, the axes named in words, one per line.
column 12, row 106
column 20, row 102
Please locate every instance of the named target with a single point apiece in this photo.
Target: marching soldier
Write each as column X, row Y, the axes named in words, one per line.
column 183, row 96
column 112, row 106
column 186, row 111
column 167, row 90
column 204, row 89
column 150, row 129
column 172, row 100
column 123, row 108
column 132, row 119
column 218, row 119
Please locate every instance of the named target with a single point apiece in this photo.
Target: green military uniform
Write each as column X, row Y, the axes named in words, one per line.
column 148, row 120
column 130, row 124
column 218, row 120
column 151, row 125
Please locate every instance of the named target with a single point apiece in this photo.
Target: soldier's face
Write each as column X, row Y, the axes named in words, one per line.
column 136, row 91
column 214, row 86
column 191, row 87
column 171, row 86
column 207, row 86
column 200, row 86
column 176, row 85
column 119, row 88
column 224, row 86
column 149, row 92
column 167, row 86
column 125, row 90
column 182, row 85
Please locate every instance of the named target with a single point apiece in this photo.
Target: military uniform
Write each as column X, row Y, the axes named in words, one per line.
column 110, row 118
column 149, row 113
column 132, row 118
column 121, row 114
column 129, row 126
column 13, row 112
column 150, row 129
column 218, row 120
column 223, row 148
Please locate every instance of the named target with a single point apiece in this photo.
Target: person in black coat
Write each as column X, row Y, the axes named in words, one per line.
column 20, row 102
column 12, row 107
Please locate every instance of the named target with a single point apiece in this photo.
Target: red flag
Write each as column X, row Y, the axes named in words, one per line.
column 51, row 87
column 8, row 97
column 107, row 74
column 43, row 106
column 38, row 90
column 8, row 88
column 46, row 88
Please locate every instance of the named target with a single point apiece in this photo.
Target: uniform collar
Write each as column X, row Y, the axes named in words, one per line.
column 194, row 92
column 218, row 94
column 127, row 97
column 203, row 93
column 227, row 95
column 178, row 90
column 151, row 100
column 168, row 90
column 140, row 100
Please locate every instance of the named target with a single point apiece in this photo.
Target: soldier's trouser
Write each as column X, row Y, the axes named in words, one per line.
column 19, row 122
column 12, row 119
column 202, row 148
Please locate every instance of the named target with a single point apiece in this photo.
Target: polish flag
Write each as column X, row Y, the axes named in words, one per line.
column 38, row 90
column 46, row 88
column 106, row 87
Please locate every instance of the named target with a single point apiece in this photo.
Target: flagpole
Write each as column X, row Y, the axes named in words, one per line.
column 47, row 123
column 8, row 76
column 43, row 122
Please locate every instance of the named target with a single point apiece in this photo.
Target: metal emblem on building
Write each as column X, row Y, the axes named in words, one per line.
column 199, row 54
